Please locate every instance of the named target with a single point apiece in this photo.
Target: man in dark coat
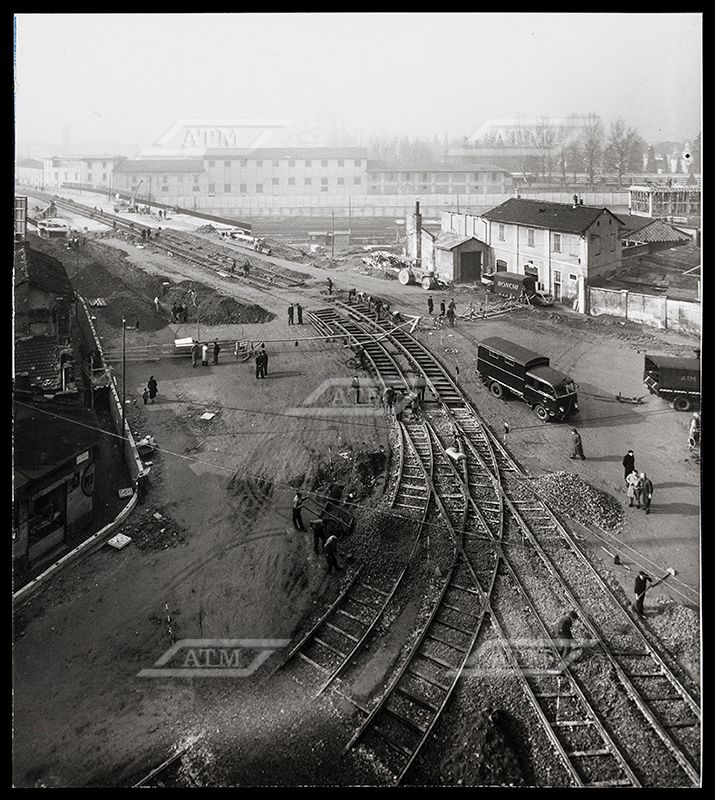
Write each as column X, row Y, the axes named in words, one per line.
column 576, row 445
column 297, row 506
column 299, row 309
column 290, row 314
column 217, row 350
column 430, row 305
column 629, row 464
column 330, row 548
column 640, row 588
column 320, row 533
column 153, row 388
column 259, row 365
column 646, row 491
column 563, row 633
column 264, row 361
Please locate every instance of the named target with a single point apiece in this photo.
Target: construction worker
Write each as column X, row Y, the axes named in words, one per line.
column 204, row 355
column 330, row 286
column 299, row 311
column 564, row 636
column 640, row 588
column 195, row 353
column 217, row 350
column 360, row 355
column 330, row 548
column 320, row 533
column 297, row 506
column 290, row 314
column 355, row 386
column 430, row 305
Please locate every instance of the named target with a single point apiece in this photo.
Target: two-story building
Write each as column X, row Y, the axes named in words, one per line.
column 562, row 244
column 454, row 177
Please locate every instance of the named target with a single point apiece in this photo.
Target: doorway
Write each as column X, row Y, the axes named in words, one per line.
column 557, row 286
column 470, row 267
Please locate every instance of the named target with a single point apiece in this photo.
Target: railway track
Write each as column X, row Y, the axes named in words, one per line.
column 217, row 258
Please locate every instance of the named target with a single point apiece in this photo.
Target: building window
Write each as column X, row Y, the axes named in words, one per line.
column 259, row 188
column 476, row 177
column 557, row 243
column 275, row 162
column 358, row 162
column 276, row 181
column 494, row 177
column 104, row 176
column 308, row 181
column 323, row 188
column 291, row 181
column 164, row 188
column 67, row 176
column 104, row 165
column 259, row 162
column 531, row 269
column 357, row 181
column 341, row 181
column 596, row 244
column 227, row 163
column 307, row 162
column 341, row 162
column 425, row 177
column 612, row 237
column 501, row 233
column 244, row 163
column 227, row 188
column 408, row 176
column 529, row 237
column 212, row 163
column 242, row 188
column 196, row 178
column 179, row 178
column 89, row 176
column 291, row 162
column 573, row 277
column 196, row 188
column 324, row 181
column 164, row 179
column 324, row 163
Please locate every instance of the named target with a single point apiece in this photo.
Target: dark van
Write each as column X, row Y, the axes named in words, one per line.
column 516, row 286
column 505, row 367
column 675, row 379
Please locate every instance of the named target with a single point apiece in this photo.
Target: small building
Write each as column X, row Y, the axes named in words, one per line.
column 563, row 245
column 55, row 448
column 648, row 234
column 29, row 172
column 667, row 202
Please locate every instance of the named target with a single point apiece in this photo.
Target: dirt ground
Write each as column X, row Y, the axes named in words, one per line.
column 228, row 563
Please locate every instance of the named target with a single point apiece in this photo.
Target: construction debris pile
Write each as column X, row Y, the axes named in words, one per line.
column 152, row 532
column 569, row 494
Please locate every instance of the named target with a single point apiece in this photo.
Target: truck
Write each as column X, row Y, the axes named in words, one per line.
column 507, row 368
column 674, row 379
column 517, row 287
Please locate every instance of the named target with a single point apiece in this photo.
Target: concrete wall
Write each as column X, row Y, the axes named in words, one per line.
column 657, row 312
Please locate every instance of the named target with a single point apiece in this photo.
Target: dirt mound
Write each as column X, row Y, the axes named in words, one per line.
column 211, row 307
column 152, row 534
column 348, row 474
column 569, row 494
column 206, row 229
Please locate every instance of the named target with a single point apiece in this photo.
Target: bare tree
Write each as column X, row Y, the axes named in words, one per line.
column 624, row 149
column 592, row 145
column 543, row 136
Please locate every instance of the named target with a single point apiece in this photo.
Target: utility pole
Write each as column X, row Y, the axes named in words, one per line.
column 332, row 238
column 350, row 220
column 124, row 372
column 150, row 194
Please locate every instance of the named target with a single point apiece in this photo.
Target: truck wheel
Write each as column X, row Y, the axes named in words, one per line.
column 682, row 403
column 497, row 390
column 541, row 413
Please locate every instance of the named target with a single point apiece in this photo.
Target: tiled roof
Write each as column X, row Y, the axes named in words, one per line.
column 559, row 217
column 39, row 357
column 286, row 152
column 30, row 162
column 645, row 229
column 449, row 240
column 41, row 270
column 48, row 435
column 160, row 165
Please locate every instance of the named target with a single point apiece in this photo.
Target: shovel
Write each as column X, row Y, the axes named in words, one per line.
column 670, row 572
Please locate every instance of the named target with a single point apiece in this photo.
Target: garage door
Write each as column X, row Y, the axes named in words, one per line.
column 470, row 267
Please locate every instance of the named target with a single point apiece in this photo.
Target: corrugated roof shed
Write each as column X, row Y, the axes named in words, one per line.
column 41, row 270
column 645, row 230
column 449, row 240
column 559, row 217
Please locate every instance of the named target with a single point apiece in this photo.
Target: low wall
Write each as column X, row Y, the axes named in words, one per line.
column 659, row 312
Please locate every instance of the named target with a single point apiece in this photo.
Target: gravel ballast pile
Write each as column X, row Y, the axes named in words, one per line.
column 569, row 494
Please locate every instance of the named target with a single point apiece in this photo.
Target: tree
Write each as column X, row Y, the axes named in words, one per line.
column 695, row 152
column 650, row 165
column 624, row 149
column 543, row 136
column 591, row 144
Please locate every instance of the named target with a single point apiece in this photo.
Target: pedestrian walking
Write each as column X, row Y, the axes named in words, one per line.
column 646, row 491
column 320, row 533
column 195, row 352
column 450, row 316
column 217, row 350
column 246, row 268
column 298, row 503
column 153, row 388
column 452, row 305
column 145, row 395
column 290, row 314
column 420, row 386
column 576, row 445
column 633, row 489
column 205, row 355
column 330, row 286
column 299, row 311
column 506, row 430
column 355, row 386
column 264, row 361
column 330, row 548
column 564, row 637
column 442, row 309
column 233, row 265
column 156, row 304
column 430, row 305
column 629, row 464
column 259, row 364
column 389, row 398
column 640, row 588
column 378, row 307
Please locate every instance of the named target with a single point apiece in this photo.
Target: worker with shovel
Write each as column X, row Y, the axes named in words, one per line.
column 641, row 587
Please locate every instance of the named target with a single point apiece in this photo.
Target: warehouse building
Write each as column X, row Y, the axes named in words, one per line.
column 385, row 177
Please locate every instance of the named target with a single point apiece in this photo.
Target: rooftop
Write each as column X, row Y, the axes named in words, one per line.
column 560, row 217
column 39, row 357
column 41, row 270
column 433, row 166
column 160, row 165
column 449, row 240
column 286, row 152
column 649, row 230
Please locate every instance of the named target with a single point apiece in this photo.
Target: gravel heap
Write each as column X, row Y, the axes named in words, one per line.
column 568, row 494
column 209, row 228
column 678, row 627
column 152, row 534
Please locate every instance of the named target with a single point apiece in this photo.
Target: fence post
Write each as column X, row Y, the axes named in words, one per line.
column 624, row 297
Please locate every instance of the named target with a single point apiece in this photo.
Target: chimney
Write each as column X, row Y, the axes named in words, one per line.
column 418, row 235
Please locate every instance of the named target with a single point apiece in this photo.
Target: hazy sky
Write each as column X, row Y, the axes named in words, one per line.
column 128, row 77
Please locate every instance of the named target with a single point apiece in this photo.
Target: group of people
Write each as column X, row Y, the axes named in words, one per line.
column 323, row 540
column 150, row 390
column 202, row 350
column 179, row 313
column 639, row 486
column 448, row 312
column 295, row 310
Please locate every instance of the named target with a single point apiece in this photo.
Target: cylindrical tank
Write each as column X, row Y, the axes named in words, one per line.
column 405, row 277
